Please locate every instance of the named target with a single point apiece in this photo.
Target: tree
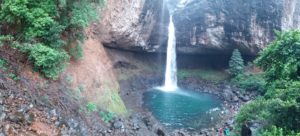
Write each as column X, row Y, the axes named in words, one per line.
column 236, row 63
column 43, row 28
column 279, row 108
column 281, row 60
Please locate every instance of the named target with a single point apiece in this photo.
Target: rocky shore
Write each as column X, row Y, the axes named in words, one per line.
column 22, row 114
column 132, row 92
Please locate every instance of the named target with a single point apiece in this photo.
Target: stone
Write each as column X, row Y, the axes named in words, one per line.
column 235, row 99
column 25, row 108
column 118, row 125
column 135, row 122
column 246, row 131
column 16, row 117
column 180, row 133
column 29, row 118
column 1, row 100
column 160, row 132
column 2, row 113
column 7, row 129
column 228, row 95
column 2, row 85
column 246, row 98
column 72, row 123
column 53, row 112
column 135, row 126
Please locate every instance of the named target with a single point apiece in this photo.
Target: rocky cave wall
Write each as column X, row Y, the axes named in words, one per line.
column 221, row 25
column 202, row 26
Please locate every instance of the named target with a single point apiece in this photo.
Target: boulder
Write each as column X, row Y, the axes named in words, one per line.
column 160, row 132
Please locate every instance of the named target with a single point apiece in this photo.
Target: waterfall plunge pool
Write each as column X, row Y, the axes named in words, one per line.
column 183, row 108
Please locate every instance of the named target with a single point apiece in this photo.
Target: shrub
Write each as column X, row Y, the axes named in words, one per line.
column 236, row 63
column 51, row 62
column 277, row 131
column 274, row 131
column 76, row 52
column 13, row 76
column 91, row 107
column 48, row 24
column 82, row 13
column 106, row 117
column 3, row 64
column 250, row 82
column 280, row 106
column 281, row 59
column 4, row 39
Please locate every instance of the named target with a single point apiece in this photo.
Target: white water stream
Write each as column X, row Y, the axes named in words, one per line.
column 171, row 66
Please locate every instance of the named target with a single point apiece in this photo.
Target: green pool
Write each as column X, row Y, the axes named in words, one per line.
column 183, row 108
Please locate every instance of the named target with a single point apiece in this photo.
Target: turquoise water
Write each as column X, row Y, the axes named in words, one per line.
column 183, row 108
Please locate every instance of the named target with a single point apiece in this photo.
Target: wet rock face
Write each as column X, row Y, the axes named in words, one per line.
column 219, row 26
column 134, row 24
column 202, row 26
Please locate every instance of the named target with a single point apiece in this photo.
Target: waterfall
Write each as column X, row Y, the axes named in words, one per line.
column 171, row 66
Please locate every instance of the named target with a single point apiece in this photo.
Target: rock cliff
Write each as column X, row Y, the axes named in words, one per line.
column 202, row 26
column 218, row 26
column 133, row 24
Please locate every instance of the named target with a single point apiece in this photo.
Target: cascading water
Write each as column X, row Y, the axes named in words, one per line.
column 173, row 106
column 171, row 67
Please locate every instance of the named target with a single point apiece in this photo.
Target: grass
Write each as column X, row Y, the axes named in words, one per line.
column 111, row 100
column 205, row 74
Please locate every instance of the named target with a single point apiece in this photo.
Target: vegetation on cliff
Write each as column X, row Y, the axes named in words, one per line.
column 279, row 109
column 45, row 30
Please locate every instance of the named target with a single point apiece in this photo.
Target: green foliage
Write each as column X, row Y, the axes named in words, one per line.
column 3, row 64
column 31, row 17
column 47, row 60
column 279, row 108
column 68, row 79
column 106, row 116
column 274, row 111
column 281, row 59
column 13, row 76
column 82, row 14
column 274, row 131
column 50, row 24
column 4, row 39
column 250, row 82
column 236, row 63
column 81, row 87
column 76, row 52
column 209, row 75
column 91, row 107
